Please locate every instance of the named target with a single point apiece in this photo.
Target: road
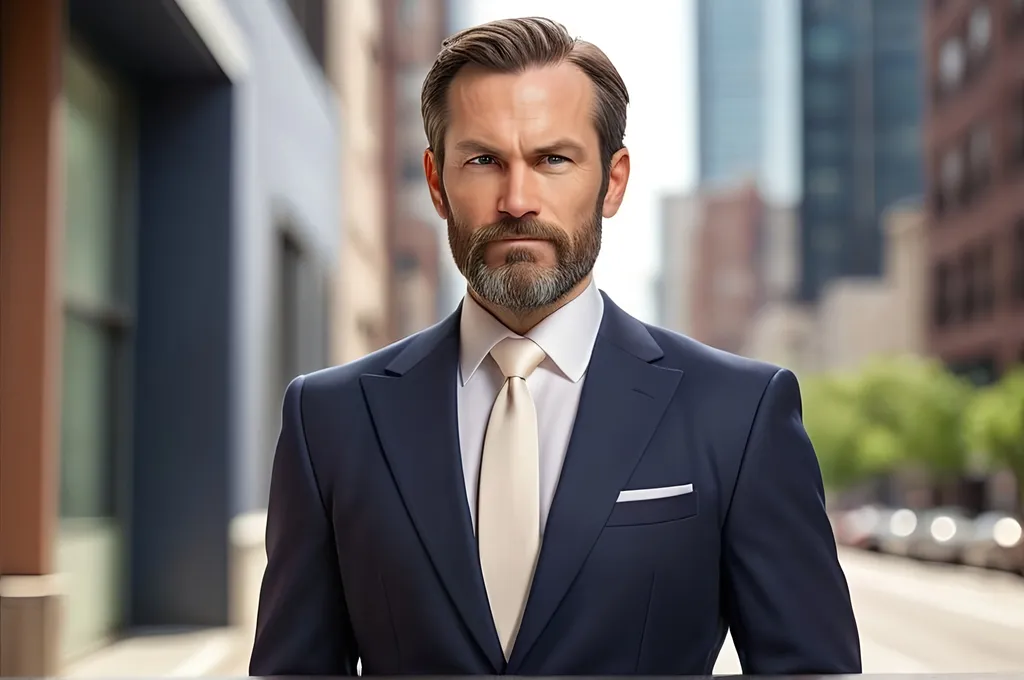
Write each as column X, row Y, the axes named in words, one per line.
column 925, row 618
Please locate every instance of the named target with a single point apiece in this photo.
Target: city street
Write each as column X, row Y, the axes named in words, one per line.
column 925, row 618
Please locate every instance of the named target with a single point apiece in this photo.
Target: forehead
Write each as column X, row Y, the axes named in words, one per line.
column 533, row 105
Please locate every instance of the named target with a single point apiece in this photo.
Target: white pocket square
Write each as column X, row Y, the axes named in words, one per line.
column 655, row 493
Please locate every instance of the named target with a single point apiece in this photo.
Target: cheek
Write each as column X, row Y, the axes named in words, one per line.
column 470, row 201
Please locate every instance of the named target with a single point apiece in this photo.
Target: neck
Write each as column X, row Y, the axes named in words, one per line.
column 521, row 323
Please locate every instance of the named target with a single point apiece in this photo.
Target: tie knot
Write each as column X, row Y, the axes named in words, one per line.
column 517, row 357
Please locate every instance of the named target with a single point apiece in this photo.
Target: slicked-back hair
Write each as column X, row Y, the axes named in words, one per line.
column 513, row 46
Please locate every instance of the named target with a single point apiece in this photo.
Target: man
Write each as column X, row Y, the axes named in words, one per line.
column 541, row 484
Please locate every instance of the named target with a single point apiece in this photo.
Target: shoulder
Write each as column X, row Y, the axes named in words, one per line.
column 715, row 371
column 339, row 382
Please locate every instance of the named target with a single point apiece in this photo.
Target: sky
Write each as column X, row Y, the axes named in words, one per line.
column 653, row 49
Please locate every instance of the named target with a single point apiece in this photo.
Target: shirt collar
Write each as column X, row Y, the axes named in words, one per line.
column 567, row 336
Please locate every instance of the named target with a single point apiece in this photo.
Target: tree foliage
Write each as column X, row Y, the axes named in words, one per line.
column 894, row 410
column 994, row 423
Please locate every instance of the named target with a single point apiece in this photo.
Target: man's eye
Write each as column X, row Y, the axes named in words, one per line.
column 482, row 160
column 557, row 160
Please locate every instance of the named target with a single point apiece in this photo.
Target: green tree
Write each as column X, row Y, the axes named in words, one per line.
column 836, row 426
column 914, row 407
column 894, row 410
column 994, row 424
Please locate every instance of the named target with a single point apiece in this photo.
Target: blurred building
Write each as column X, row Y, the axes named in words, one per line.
column 731, row 88
column 862, row 99
column 780, row 252
column 782, row 332
column 412, row 33
column 746, row 84
column 782, row 329
column 727, row 277
column 975, row 164
column 856, row 318
column 680, row 216
column 356, row 68
column 169, row 229
column 860, row 317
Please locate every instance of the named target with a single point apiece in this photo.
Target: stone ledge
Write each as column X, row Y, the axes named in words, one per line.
column 30, row 623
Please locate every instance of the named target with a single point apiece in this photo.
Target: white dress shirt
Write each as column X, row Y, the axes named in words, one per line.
column 567, row 337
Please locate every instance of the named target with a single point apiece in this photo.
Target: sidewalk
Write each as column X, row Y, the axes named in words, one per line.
column 177, row 653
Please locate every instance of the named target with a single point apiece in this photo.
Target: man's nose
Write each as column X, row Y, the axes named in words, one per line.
column 520, row 195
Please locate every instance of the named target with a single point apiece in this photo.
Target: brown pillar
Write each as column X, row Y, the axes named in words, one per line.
column 30, row 228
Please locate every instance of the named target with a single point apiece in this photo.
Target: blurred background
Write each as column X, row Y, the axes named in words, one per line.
column 201, row 199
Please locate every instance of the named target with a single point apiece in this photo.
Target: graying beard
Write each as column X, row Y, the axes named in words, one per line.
column 520, row 293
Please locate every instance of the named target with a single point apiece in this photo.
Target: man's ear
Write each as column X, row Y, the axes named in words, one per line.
column 433, row 173
column 618, row 177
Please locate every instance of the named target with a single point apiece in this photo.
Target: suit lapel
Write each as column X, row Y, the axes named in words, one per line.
column 623, row 400
column 415, row 415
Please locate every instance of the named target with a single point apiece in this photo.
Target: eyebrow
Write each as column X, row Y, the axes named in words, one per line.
column 561, row 146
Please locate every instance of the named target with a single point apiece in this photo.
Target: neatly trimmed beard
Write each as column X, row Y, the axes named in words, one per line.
column 520, row 285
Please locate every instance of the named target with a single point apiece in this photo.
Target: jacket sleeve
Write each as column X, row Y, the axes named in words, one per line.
column 785, row 594
column 303, row 625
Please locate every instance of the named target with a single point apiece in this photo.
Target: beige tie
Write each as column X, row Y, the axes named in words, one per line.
column 508, row 510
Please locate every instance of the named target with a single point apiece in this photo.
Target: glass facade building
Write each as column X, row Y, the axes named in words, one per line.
column 862, row 94
column 732, row 88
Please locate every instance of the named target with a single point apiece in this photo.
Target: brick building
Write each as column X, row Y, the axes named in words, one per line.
column 727, row 280
column 974, row 144
column 411, row 38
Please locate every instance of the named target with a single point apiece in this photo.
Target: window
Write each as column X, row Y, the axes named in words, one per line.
column 825, row 183
column 985, row 285
column 96, row 295
column 98, row 261
column 406, row 263
column 412, row 169
column 310, row 17
column 824, row 143
column 942, row 296
column 951, row 176
column 952, row 63
column 979, row 153
column 1015, row 23
column 1018, row 261
column 825, row 44
column 1017, row 128
column 824, row 98
column 969, row 294
column 979, row 31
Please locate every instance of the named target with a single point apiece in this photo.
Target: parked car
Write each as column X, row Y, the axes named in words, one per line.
column 941, row 535
column 896, row 535
column 864, row 527
column 996, row 542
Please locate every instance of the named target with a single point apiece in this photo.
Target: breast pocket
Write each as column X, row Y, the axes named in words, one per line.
column 653, row 510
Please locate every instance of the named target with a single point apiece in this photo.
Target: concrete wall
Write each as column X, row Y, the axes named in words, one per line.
column 288, row 184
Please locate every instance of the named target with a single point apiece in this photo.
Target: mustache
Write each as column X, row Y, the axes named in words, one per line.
column 509, row 228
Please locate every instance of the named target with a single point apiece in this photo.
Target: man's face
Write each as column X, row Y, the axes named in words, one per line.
column 522, row 184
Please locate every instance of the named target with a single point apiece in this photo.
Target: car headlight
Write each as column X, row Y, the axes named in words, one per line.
column 1007, row 532
column 902, row 523
column 943, row 529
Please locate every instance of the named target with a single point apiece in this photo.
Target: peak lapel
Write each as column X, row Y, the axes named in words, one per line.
column 623, row 400
column 414, row 412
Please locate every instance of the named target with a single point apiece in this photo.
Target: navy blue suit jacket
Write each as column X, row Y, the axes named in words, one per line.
column 372, row 555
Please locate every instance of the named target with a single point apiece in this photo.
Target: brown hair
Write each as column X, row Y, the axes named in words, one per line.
column 512, row 46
